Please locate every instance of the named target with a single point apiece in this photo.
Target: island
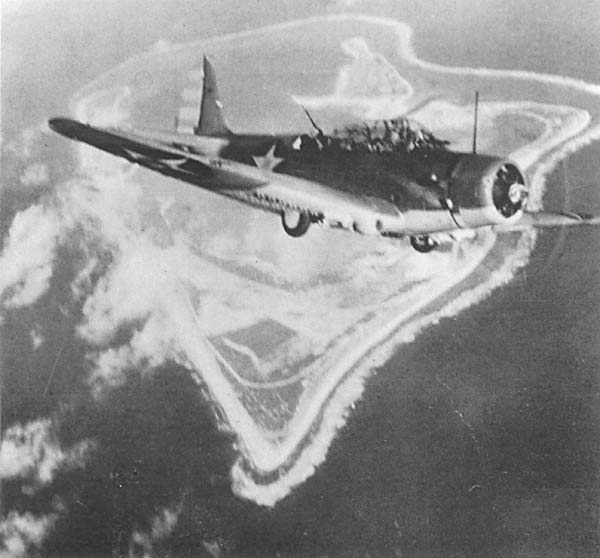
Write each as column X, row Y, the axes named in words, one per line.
column 280, row 334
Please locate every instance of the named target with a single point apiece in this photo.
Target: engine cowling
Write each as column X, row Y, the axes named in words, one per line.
column 486, row 190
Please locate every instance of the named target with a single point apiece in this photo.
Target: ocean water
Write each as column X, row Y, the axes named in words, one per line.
column 480, row 438
column 547, row 37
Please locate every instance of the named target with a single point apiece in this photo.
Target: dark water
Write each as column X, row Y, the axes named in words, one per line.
column 481, row 438
column 547, row 36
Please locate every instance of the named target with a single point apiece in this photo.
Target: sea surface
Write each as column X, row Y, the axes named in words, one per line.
column 480, row 438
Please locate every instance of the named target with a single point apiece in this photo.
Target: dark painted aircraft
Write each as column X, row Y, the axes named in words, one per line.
column 387, row 179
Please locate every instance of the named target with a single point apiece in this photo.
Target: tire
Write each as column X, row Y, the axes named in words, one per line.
column 422, row 243
column 295, row 223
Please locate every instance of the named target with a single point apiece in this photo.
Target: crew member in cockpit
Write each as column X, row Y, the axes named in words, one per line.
column 442, row 186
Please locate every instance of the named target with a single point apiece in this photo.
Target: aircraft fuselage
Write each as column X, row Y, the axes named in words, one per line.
column 386, row 193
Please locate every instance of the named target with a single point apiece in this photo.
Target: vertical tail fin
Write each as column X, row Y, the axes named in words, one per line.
column 212, row 117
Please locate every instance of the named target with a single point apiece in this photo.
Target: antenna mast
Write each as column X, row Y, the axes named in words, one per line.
column 314, row 124
column 475, row 123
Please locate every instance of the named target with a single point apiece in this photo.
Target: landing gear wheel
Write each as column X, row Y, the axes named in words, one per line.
column 422, row 243
column 295, row 223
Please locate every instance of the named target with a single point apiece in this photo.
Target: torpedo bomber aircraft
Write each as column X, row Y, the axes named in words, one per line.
column 385, row 179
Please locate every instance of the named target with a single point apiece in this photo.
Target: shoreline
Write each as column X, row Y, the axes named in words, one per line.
column 323, row 409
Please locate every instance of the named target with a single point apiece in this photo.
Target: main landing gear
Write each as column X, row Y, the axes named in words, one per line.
column 422, row 243
column 295, row 223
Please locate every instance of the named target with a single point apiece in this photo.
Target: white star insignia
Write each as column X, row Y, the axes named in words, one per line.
column 268, row 161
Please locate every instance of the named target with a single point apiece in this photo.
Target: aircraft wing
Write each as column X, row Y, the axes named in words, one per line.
column 170, row 160
column 548, row 220
column 255, row 185
column 283, row 194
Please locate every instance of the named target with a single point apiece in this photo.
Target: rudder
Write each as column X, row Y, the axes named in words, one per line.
column 212, row 120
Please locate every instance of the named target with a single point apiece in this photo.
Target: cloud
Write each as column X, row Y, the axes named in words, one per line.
column 23, row 145
column 37, row 337
column 143, row 289
column 82, row 283
column 106, row 107
column 34, row 175
column 19, row 532
column 110, row 213
column 32, row 452
column 162, row 525
column 28, row 256
column 101, row 206
column 107, row 210
column 369, row 85
column 149, row 347
column 162, row 45
column 134, row 287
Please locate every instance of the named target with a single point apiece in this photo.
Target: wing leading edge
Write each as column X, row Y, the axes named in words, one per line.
column 259, row 187
column 549, row 220
column 170, row 160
